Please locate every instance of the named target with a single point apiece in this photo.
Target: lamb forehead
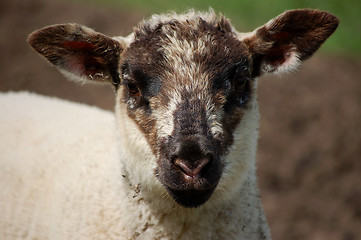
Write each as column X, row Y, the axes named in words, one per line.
column 155, row 21
column 193, row 43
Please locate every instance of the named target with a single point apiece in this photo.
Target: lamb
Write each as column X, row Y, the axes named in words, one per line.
column 178, row 159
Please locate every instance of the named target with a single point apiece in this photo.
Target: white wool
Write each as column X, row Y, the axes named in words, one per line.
column 60, row 169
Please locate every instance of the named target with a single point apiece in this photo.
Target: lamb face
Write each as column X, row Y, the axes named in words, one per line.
column 187, row 85
column 186, row 101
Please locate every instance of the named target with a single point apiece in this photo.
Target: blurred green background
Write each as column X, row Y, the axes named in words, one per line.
column 248, row 14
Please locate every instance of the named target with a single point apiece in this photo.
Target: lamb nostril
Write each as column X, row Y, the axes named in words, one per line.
column 191, row 172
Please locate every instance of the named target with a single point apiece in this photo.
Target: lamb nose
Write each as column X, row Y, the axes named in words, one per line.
column 191, row 172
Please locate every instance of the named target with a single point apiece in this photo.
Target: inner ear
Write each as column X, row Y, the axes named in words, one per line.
column 82, row 61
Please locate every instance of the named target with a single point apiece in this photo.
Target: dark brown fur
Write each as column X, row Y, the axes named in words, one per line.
column 145, row 55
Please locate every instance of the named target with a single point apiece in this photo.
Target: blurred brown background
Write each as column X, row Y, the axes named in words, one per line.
column 309, row 158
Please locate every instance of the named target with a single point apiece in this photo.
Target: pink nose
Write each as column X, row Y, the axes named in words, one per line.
column 191, row 172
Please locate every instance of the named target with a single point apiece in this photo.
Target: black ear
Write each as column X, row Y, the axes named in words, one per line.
column 79, row 52
column 285, row 41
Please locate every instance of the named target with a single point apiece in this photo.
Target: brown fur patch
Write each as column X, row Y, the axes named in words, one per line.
column 205, row 51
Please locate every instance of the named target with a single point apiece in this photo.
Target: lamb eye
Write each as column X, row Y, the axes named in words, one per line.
column 134, row 91
column 240, row 84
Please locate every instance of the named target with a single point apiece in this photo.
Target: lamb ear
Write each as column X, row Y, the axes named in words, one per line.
column 79, row 52
column 282, row 43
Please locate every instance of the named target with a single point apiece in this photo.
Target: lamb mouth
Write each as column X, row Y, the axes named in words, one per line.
column 190, row 198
